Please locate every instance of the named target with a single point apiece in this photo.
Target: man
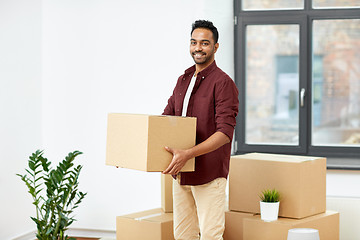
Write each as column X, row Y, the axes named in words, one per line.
column 204, row 91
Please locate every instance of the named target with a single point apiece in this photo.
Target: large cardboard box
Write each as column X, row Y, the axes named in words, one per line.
column 234, row 225
column 137, row 141
column 300, row 180
column 150, row 225
column 166, row 193
column 327, row 223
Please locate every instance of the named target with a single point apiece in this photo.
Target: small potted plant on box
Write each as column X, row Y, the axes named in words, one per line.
column 269, row 205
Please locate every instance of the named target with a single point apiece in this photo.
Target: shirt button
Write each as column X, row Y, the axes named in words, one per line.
column 183, row 79
column 178, row 110
column 203, row 77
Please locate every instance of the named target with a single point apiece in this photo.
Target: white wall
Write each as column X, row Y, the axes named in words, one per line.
column 343, row 196
column 341, row 183
column 66, row 64
column 20, row 108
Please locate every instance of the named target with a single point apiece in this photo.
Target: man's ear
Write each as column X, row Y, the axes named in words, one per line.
column 216, row 46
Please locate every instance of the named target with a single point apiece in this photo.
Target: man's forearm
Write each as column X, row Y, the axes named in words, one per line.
column 215, row 141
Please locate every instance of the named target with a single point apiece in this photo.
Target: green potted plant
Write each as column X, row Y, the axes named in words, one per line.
column 55, row 194
column 269, row 205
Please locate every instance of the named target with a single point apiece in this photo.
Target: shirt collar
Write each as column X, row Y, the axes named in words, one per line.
column 204, row 73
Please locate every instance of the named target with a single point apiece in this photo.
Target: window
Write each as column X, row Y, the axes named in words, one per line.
column 336, row 3
column 337, row 82
column 272, row 84
column 297, row 66
column 271, row 4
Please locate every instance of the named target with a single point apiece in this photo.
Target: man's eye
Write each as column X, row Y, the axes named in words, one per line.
column 205, row 43
column 193, row 43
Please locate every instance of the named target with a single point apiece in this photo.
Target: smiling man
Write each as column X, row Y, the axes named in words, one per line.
column 206, row 92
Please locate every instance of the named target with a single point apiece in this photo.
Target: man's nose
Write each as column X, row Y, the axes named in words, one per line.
column 198, row 47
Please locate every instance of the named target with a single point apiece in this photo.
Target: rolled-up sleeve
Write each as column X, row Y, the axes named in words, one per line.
column 226, row 107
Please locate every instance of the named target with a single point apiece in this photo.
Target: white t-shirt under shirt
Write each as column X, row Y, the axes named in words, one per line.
column 187, row 96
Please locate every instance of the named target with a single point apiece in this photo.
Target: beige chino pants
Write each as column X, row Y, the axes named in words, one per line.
column 199, row 211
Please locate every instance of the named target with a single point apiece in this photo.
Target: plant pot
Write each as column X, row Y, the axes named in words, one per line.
column 269, row 211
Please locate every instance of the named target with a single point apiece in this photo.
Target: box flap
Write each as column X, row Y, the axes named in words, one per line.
column 142, row 214
column 153, row 215
column 276, row 157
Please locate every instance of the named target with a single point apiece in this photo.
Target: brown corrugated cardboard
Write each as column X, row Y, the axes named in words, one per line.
column 234, row 225
column 150, row 225
column 300, row 180
column 327, row 223
column 137, row 141
column 166, row 193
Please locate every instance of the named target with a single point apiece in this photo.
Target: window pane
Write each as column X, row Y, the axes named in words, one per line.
column 272, row 84
column 272, row 5
column 336, row 83
column 336, row 3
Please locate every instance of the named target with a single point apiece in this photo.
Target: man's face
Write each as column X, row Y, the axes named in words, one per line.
column 202, row 46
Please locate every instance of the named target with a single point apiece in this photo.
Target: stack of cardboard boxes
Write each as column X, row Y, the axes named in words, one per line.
column 137, row 141
column 301, row 182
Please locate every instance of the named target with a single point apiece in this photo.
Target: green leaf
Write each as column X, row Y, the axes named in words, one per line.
column 49, row 230
column 39, row 178
column 31, row 174
column 23, row 177
column 31, row 165
column 38, row 191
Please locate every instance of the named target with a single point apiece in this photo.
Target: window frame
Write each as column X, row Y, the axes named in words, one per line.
column 303, row 17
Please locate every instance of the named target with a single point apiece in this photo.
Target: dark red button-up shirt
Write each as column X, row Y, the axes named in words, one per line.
column 214, row 102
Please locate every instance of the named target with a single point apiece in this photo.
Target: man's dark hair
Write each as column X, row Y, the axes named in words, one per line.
column 207, row 25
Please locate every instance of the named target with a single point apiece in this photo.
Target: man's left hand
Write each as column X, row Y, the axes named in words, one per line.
column 180, row 157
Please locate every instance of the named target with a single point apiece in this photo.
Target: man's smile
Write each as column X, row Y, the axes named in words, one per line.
column 198, row 54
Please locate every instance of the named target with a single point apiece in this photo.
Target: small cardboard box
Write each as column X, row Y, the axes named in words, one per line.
column 300, row 180
column 137, row 141
column 234, row 225
column 166, row 193
column 326, row 223
column 151, row 225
